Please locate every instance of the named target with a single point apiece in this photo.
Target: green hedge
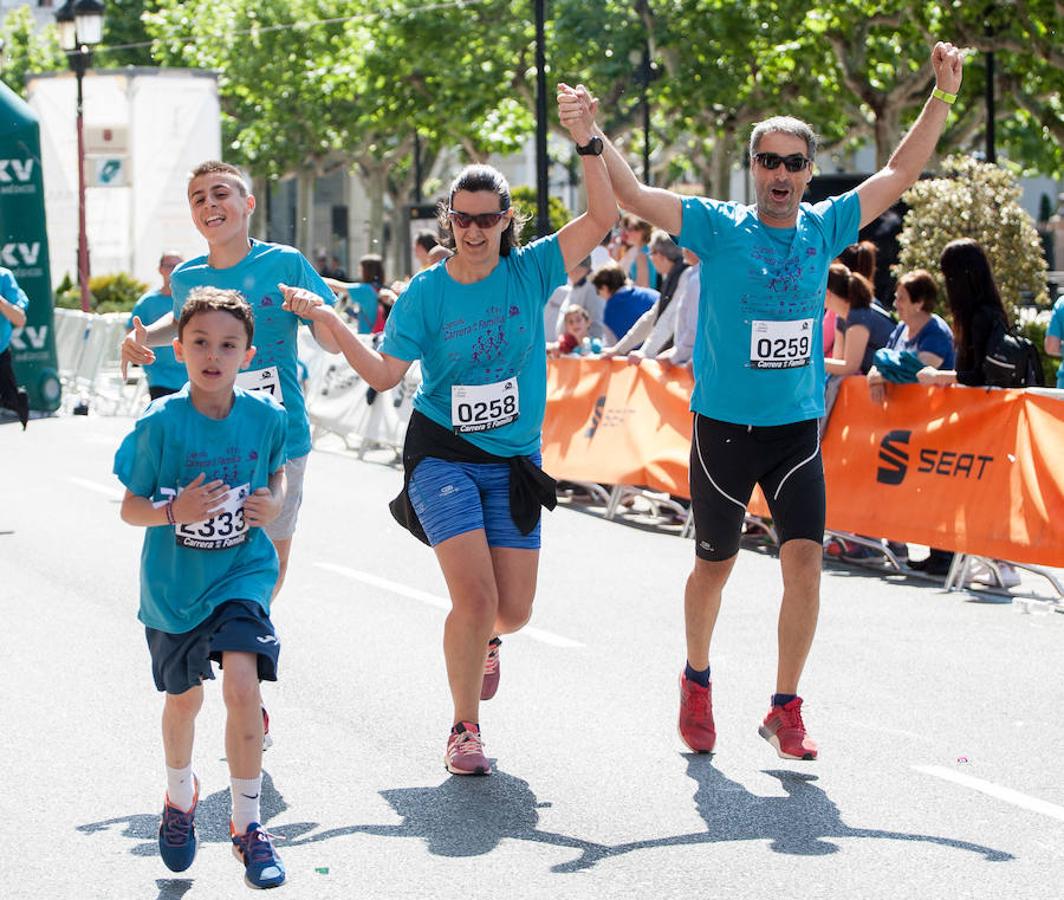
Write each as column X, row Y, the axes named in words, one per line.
column 107, row 293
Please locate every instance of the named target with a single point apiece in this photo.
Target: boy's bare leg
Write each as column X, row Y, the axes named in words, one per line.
column 243, row 705
column 179, row 726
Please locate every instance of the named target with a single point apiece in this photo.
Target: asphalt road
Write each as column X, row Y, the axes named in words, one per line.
column 937, row 718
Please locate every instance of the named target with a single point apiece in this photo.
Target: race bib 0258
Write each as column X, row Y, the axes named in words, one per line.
column 481, row 407
column 780, row 345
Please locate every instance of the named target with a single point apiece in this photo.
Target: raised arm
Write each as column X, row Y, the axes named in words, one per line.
column 882, row 190
column 584, row 233
column 654, row 205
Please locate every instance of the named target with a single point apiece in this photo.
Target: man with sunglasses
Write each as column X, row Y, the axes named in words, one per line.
column 759, row 378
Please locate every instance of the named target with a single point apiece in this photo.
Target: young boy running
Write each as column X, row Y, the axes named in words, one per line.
column 204, row 474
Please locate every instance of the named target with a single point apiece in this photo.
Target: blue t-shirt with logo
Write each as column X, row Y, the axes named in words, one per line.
column 166, row 371
column 757, row 356
column 13, row 294
column 187, row 572
column 1056, row 329
column 256, row 276
column 481, row 334
column 365, row 299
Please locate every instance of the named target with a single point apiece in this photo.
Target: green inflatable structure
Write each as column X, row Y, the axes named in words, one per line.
column 24, row 249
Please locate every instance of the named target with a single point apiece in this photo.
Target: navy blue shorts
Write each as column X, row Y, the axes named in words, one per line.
column 451, row 498
column 182, row 661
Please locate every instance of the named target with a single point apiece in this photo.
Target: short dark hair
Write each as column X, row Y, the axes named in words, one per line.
column 372, row 269
column 610, row 276
column 217, row 167
column 860, row 258
column 211, row 299
column 426, row 239
column 784, row 125
column 920, row 285
column 483, row 178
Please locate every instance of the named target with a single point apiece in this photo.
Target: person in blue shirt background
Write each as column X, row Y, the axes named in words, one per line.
column 166, row 375
column 759, row 376
column 1055, row 336
column 475, row 322
column 625, row 302
column 13, row 306
column 204, row 474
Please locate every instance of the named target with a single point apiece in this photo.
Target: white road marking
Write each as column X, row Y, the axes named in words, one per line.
column 997, row 791
column 537, row 634
column 96, row 486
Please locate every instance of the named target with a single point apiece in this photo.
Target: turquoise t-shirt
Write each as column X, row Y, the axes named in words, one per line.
column 256, row 276
column 481, row 334
column 187, row 572
column 166, row 371
column 365, row 299
column 13, row 294
column 758, row 356
column 1055, row 329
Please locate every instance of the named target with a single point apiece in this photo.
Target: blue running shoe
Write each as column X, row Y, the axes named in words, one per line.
column 262, row 866
column 177, row 834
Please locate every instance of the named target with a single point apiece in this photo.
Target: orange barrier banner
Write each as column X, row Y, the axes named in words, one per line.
column 978, row 471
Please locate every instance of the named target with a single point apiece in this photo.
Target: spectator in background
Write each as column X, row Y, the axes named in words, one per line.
column 363, row 294
column 577, row 291
column 576, row 339
column 424, row 241
column 635, row 259
column 682, row 350
column 166, row 375
column 976, row 307
column 655, row 330
column 625, row 303
column 1055, row 336
column 862, row 258
column 861, row 328
column 13, row 306
column 336, row 268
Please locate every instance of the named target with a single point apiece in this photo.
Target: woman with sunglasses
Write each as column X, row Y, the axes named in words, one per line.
column 473, row 486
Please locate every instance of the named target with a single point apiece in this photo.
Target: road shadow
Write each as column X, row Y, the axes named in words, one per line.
column 467, row 816
column 802, row 823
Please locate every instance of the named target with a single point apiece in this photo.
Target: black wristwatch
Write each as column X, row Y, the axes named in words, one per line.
column 591, row 148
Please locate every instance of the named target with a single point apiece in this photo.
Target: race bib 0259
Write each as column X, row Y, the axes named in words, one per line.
column 780, row 345
column 223, row 530
column 481, row 407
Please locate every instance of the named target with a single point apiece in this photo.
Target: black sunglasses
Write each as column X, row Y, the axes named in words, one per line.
column 795, row 162
column 483, row 220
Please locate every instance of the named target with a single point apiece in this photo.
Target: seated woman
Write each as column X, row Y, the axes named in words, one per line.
column 625, row 302
column 861, row 328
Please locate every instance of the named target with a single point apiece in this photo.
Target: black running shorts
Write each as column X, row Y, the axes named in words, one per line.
column 727, row 460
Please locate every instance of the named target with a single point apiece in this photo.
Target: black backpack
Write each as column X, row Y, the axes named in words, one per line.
column 1011, row 361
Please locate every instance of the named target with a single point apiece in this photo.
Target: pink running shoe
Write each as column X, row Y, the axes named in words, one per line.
column 784, row 729
column 696, row 715
column 491, row 670
column 465, row 751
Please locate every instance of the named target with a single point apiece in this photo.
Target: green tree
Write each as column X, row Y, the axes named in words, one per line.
column 979, row 201
column 123, row 25
column 26, row 51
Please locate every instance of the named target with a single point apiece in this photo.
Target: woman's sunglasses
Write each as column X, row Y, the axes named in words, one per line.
column 483, row 220
column 793, row 163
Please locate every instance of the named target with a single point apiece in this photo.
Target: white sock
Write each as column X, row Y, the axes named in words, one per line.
column 181, row 787
column 245, row 802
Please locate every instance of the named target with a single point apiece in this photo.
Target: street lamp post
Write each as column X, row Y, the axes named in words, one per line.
column 80, row 25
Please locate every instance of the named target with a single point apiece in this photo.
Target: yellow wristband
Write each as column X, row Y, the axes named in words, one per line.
column 948, row 99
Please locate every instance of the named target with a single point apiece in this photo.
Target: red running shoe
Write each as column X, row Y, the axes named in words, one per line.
column 491, row 670
column 784, row 729
column 696, row 715
column 465, row 751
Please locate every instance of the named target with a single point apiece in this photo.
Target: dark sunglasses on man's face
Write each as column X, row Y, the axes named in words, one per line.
column 483, row 220
column 795, row 162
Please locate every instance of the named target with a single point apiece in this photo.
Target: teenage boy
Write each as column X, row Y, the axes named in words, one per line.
column 268, row 275
column 204, row 473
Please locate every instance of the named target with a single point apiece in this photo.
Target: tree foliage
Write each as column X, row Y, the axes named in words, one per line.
column 979, row 201
column 26, row 51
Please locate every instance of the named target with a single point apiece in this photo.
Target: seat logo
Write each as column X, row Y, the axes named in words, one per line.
column 893, row 457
